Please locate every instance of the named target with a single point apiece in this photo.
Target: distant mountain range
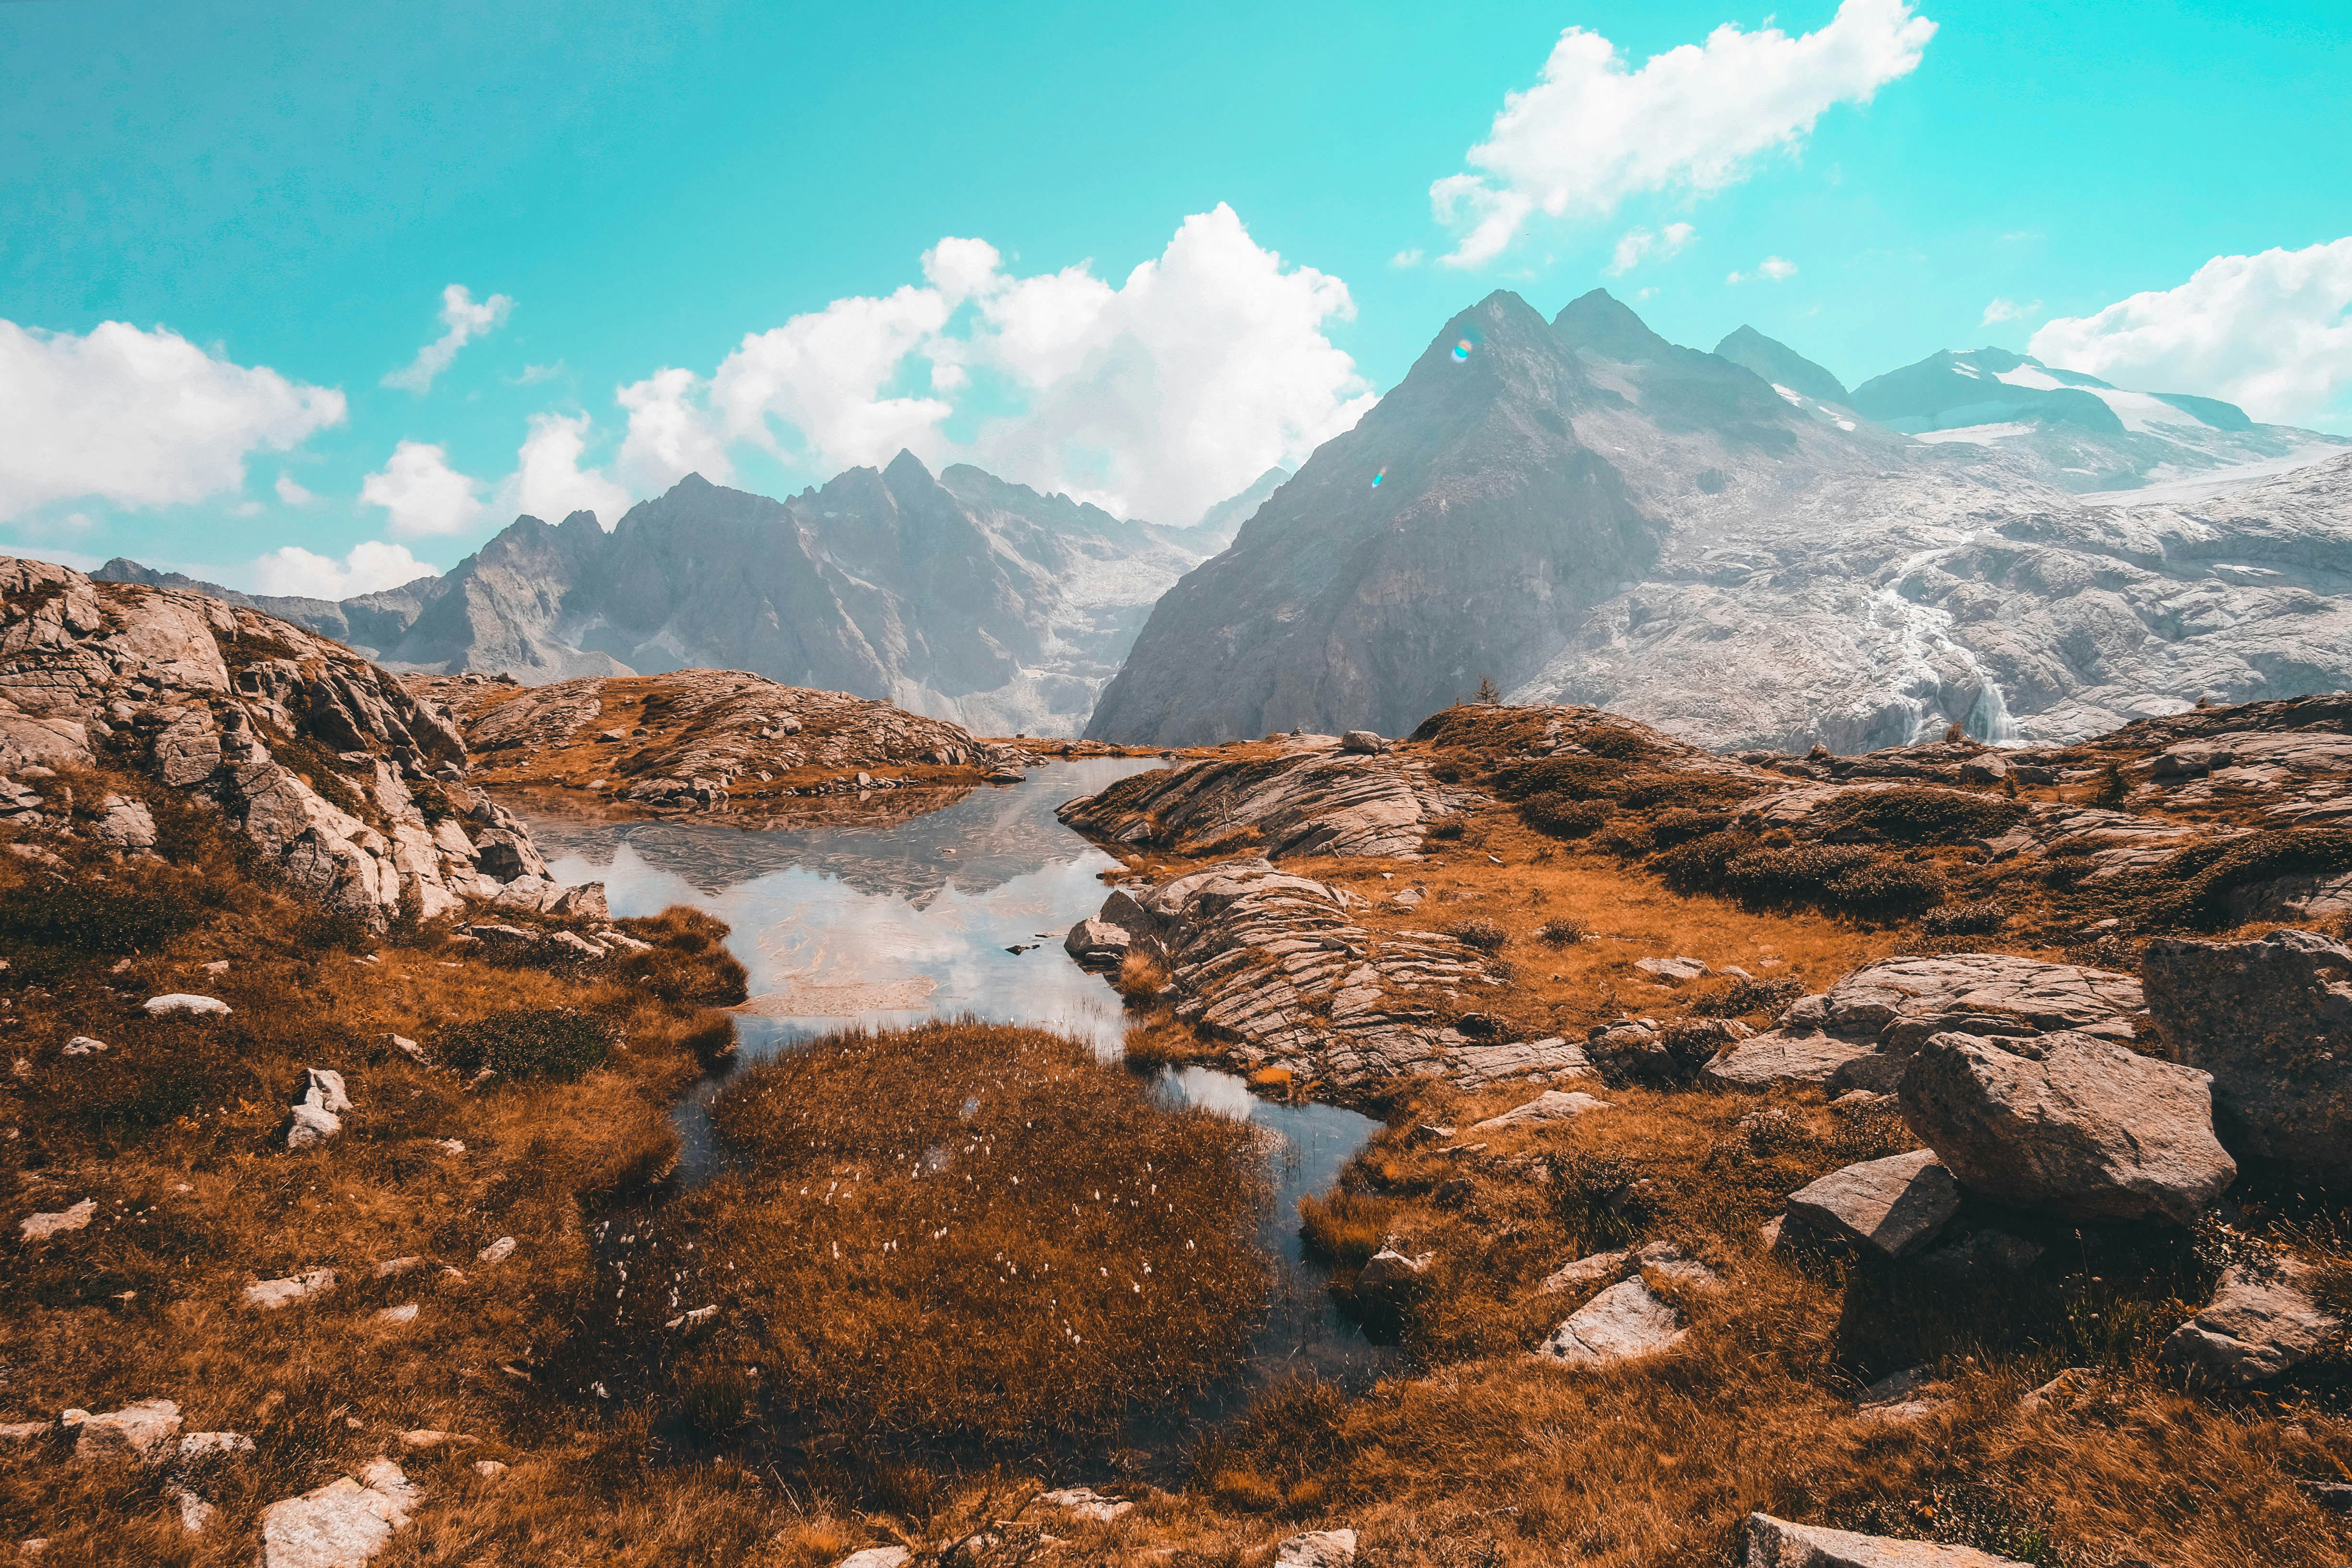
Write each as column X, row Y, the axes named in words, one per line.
column 1723, row 544
column 1731, row 545
column 961, row 596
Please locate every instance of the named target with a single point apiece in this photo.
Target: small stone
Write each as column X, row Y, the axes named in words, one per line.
column 269, row 1295
column 307, row 1126
column 195, row 1512
column 395, row 1316
column 83, row 1045
column 1318, row 1548
column 2064, row 1391
column 217, row 966
column 1587, row 1271
column 391, row 1268
column 1390, row 1277
column 432, row 1437
column 489, row 1470
column 17, row 1434
column 498, row 1251
column 411, row 1049
column 877, row 1557
column 1672, row 971
column 1088, row 1503
column 42, row 1227
column 182, row 1002
column 196, row 1446
column 1894, row 1206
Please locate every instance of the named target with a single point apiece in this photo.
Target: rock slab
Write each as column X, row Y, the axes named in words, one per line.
column 2258, row 1325
column 1621, row 1323
column 341, row 1524
column 1779, row 1543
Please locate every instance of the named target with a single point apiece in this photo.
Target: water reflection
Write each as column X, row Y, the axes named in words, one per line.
column 881, row 924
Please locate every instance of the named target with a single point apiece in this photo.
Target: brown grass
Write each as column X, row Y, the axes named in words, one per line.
column 955, row 1230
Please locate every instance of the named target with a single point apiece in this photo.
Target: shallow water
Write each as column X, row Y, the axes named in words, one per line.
column 885, row 924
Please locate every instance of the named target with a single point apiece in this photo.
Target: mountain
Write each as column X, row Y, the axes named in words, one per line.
column 2074, row 431
column 1586, row 512
column 960, row 597
column 1781, row 365
column 1220, row 523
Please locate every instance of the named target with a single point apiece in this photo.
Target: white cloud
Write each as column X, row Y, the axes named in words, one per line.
column 1406, row 259
column 1638, row 244
column 291, row 493
column 422, row 491
column 466, row 321
column 1591, row 132
column 369, row 568
column 670, row 435
column 1771, row 269
column 533, row 374
column 139, row 418
column 1155, row 397
column 2000, row 310
column 549, row 483
column 2272, row 334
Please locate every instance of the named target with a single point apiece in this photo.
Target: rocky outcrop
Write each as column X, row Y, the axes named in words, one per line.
column 199, row 695
column 702, row 739
column 1313, row 798
column 1860, row 1033
column 341, row 1524
column 2271, row 1022
column 1277, row 969
column 2069, row 1123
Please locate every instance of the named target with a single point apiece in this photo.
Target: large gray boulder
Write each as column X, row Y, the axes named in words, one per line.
column 2070, row 1124
column 341, row 1524
column 1779, row 1543
column 2272, row 1021
column 1894, row 1206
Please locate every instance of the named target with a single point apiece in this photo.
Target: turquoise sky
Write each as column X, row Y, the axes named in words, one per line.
column 292, row 187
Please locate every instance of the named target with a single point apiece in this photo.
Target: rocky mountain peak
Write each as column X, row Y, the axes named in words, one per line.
column 1600, row 323
column 1781, row 365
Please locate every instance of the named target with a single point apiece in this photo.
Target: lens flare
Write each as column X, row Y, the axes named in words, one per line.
column 1462, row 349
column 1378, row 477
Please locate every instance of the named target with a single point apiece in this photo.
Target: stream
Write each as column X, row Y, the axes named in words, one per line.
column 881, row 924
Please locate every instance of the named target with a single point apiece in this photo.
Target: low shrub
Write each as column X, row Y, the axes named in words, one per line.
column 1742, row 997
column 531, row 1043
column 1685, row 823
column 1446, row 827
column 118, row 916
column 1915, row 814
column 1981, row 917
column 2198, row 888
column 1792, row 876
column 1563, row 817
column 1484, row 936
column 1560, row 933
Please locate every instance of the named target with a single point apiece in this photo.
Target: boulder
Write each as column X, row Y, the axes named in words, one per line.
column 74, row 1217
column 2272, row 1021
column 1390, row 1278
column 2259, row 1324
column 1097, row 943
column 1672, row 971
column 1318, row 1548
column 1781, row 1055
column 1587, row 1271
column 341, row 1524
column 146, row 1433
column 1362, row 742
column 1894, row 1206
column 1777, row 1543
column 2070, row 1124
column 1552, row 1105
column 1622, row 1323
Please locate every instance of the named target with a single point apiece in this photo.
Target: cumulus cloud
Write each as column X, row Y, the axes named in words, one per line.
column 369, row 568
column 291, row 493
column 1591, row 132
column 138, row 418
column 2000, row 310
column 424, row 494
column 1638, row 244
column 2271, row 333
column 465, row 320
column 1155, row 397
column 1771, row 269
column 549, row 484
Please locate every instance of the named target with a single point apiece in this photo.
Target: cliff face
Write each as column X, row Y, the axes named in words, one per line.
column 349, row 787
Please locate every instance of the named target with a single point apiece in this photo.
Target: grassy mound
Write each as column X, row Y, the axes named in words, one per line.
column 951, row 1232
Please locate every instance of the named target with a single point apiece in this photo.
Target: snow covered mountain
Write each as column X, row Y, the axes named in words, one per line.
column 1588, row 513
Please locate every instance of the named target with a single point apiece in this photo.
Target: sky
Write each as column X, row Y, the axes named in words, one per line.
column 313, row 300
